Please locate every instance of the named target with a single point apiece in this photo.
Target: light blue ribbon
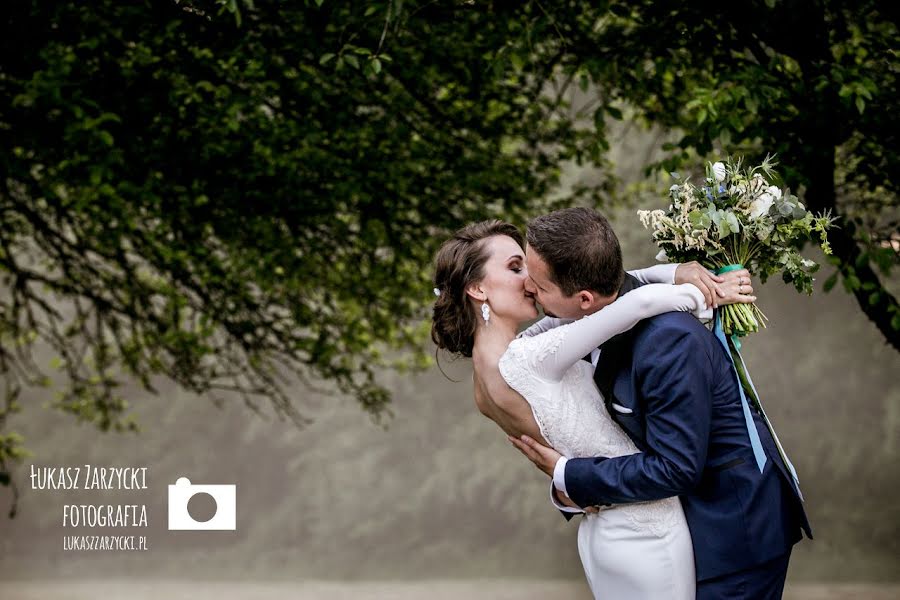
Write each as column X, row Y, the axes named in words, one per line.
column 755, row 442
column 765, row 417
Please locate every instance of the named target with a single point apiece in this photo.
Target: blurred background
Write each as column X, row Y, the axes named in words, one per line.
column 217, row 226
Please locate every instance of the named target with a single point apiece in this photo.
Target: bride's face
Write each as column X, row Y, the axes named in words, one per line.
column 551, row 298
column 504, row 280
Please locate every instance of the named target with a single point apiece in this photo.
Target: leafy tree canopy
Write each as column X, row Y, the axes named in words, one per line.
column 226, row 193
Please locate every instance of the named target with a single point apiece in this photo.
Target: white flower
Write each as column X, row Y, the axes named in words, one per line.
column 761, row 205
column 757, row 183
column 718, row 170
column 662, row 256
column 437, row 292
column 775, row 191
column 738, row 190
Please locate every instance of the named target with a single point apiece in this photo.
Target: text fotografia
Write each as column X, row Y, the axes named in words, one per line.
column 104, row 515
column 88, row 478
column 104, row 542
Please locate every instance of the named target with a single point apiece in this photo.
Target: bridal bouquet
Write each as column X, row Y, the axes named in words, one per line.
column 739, row 218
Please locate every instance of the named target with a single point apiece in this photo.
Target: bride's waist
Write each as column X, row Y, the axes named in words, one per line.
column 649, row 510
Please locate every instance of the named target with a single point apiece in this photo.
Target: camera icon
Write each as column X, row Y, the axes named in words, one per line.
column 181, row 493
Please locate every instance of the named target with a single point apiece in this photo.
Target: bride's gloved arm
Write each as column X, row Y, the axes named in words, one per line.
column 656, row 274
column 543, row 325
column 550, row 354
column 664, row 273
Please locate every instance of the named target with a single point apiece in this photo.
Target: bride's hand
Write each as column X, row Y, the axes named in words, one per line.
column 705, row 281
column 736, row 288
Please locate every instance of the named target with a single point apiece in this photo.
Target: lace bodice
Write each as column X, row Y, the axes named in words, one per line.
column 545, row 367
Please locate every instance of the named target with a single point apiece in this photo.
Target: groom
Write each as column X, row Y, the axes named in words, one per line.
column 669, row 384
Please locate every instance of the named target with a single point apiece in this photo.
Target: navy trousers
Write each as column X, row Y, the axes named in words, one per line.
column 762, row 582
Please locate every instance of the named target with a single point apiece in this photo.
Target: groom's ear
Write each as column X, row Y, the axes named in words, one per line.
column 586, row 299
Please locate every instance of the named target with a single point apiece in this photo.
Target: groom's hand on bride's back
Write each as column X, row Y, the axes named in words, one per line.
column 545, row 459
column 566, row 501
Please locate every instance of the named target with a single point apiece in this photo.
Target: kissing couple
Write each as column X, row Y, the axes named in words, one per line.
column 627, row 402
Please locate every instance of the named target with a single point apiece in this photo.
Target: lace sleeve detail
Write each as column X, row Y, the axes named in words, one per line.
column 550, row 354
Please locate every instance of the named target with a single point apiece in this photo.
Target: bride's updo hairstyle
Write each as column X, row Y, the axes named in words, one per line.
column 460, row 263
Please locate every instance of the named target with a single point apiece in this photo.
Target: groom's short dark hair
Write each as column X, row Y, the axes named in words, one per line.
column 581, row 249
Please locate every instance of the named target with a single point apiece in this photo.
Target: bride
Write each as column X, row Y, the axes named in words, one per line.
column 537, row 384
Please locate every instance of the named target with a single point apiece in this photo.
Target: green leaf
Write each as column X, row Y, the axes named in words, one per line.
column 325, row 58
column 733, row 223
column 699, row 219
column 352, row 60
column 751, row 104
column 724, row 228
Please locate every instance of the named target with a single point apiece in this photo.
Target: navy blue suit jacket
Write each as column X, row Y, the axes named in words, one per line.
column 687, row 419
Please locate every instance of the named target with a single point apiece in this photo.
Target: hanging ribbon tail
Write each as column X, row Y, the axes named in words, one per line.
column 762, row 411
column 755, row 442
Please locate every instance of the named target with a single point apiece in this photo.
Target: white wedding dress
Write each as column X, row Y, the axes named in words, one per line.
column 629, row 551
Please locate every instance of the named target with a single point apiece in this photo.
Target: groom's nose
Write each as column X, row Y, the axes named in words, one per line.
column 529, row 286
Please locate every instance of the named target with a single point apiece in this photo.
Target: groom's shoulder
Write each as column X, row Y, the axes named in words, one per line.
column 669, row 325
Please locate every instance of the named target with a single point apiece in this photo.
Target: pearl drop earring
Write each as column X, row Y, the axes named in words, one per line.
column 485, row 312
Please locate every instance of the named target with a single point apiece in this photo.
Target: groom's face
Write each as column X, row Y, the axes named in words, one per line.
column 547, row 293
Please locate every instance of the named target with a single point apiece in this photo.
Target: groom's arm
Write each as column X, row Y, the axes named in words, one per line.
column 676, row 384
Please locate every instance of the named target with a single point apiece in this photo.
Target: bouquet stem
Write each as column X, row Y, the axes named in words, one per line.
column 742, row 319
